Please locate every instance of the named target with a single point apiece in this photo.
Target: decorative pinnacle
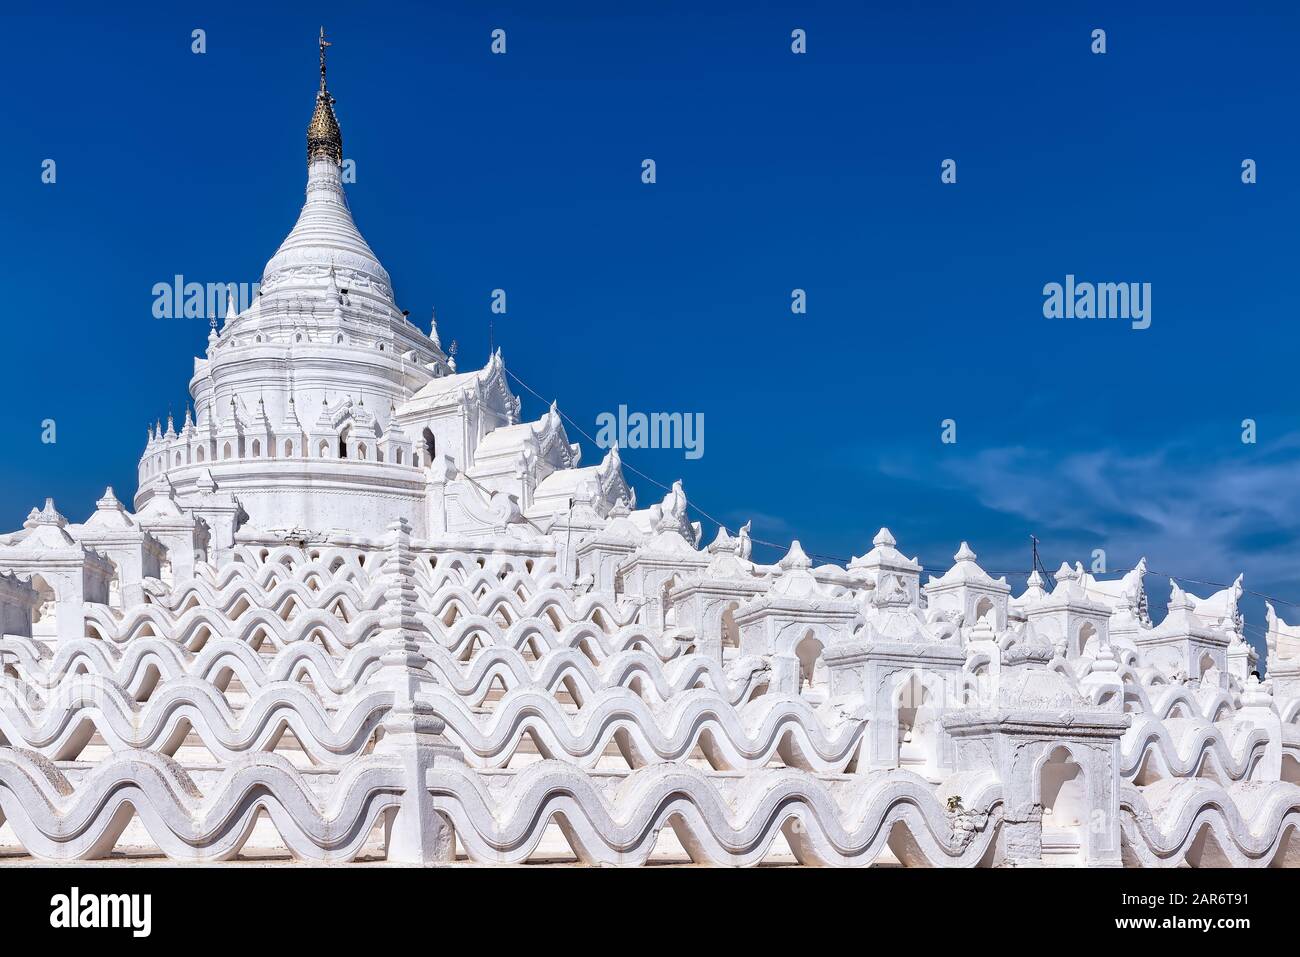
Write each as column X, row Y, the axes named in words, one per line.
column 108, row 500
column 49, row 515
column 795, row 558
column 323, row 44
column 323, row 135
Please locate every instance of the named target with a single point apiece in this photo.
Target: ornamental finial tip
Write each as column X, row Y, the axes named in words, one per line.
column 323, row 44
column 323, row 135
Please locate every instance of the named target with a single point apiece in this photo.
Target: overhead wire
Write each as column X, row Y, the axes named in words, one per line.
column 931, row 568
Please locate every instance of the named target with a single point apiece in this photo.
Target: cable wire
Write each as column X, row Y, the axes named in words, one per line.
column 839, row 560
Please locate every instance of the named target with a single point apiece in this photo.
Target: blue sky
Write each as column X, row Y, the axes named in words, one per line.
column 775, row 172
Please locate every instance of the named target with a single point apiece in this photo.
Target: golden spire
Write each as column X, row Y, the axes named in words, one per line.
column 323, row 135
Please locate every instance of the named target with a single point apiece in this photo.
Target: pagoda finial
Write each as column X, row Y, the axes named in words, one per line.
column 323, row 136
column 433, row 327
column 323, row 44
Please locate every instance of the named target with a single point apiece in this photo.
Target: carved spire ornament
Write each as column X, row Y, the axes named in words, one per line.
column 324, row 138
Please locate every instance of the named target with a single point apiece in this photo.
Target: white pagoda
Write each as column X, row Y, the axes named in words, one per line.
column 321, row 407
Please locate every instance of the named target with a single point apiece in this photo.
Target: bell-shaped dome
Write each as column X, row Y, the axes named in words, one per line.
column 325, row 238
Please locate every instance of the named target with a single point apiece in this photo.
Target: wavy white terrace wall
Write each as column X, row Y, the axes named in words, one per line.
column 473, row 704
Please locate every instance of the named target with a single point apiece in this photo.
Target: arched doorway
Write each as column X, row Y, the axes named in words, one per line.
column 812, row 669
column 666, row 603
column 45, row 616
column 730, row 631
column 1204, row 665
column 918, row 728
column 115, row 587
column 1088, row 641
column 1064, row 799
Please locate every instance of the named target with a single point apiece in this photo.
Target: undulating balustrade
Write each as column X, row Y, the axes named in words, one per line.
column 257, row 709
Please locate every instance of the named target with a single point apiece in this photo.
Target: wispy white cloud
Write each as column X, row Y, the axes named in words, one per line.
column 1191, row 511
